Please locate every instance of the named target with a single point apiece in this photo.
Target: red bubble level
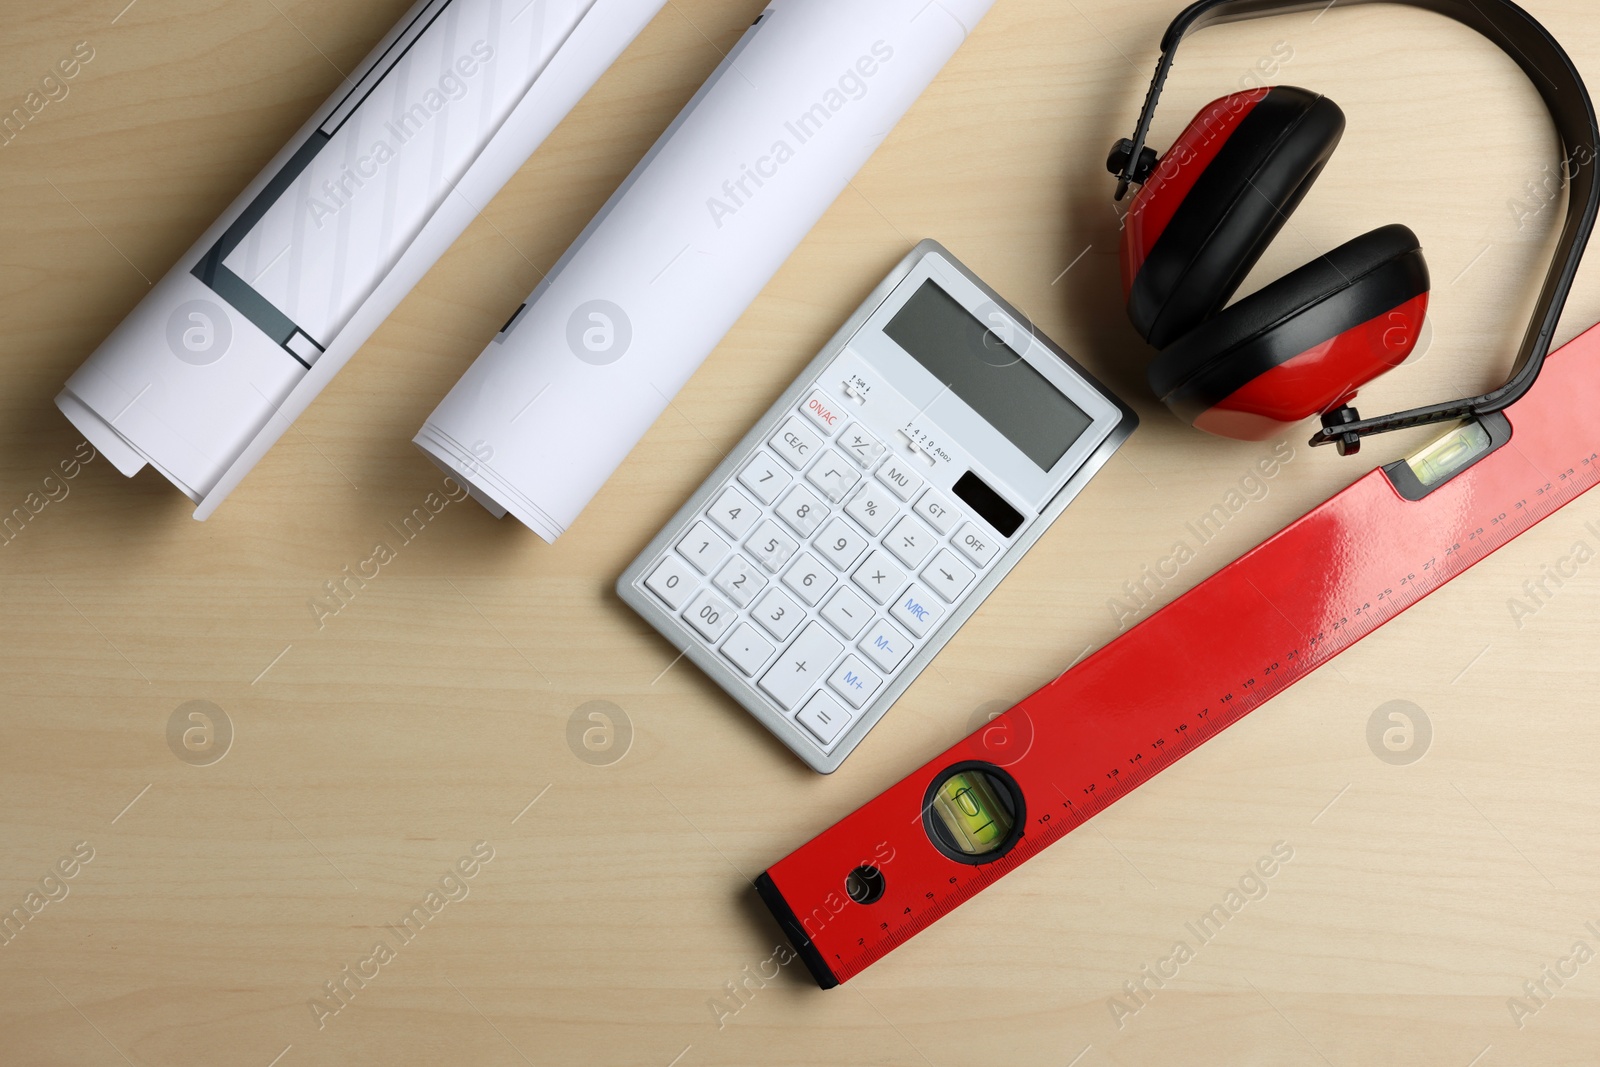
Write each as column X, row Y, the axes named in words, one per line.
column 994, row 800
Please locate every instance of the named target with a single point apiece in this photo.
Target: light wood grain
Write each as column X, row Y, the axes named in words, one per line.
column 372, row 753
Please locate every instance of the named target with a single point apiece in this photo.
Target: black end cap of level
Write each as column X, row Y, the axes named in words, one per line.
column 794, row 931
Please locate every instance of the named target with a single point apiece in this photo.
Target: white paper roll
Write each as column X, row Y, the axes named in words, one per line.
column 225, row 352
column 555, row 402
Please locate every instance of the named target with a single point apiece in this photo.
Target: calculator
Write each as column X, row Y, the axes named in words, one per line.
column 849, row 535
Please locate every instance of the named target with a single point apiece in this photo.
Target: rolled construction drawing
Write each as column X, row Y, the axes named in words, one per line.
column 231, row 346
column 560, row 396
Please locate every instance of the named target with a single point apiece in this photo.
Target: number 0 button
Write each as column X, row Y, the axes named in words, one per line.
column 672, row 581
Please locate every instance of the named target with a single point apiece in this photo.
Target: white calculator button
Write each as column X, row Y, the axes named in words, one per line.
column 734, row 512
column 879, row 577
column 802, row 511
column 709, row 614
column 809, row 578
column 739, row 580
column 702, row 547
column 976, row 544
column 672, row 581
column 910, row 541
column 854, row 682
column 900, row 478
column 940, row 513
column 861, row 446
column 947, row 575
column 885, row 645
column 778, row 615
column 833, row 475
column 824, row 412
column 839, row 543
column 771, row 547
column 802, row 666
column 747, row 649
column 823, row 716
column 916, row 610
column 763, row 477
column 795, row 442
column 872, row 507
column 847, row 613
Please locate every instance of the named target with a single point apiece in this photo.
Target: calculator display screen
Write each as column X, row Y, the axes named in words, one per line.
column 973, row 359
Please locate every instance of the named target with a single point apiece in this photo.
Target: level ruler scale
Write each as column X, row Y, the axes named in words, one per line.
column 1000, row 796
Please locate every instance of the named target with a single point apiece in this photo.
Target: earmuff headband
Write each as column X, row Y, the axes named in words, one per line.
column 1547, row 65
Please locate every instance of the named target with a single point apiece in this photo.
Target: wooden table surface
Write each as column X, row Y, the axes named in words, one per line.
column 609, row 906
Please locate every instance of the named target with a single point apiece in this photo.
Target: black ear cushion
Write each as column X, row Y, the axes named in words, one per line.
column 1356, row 282
column 1233, row 211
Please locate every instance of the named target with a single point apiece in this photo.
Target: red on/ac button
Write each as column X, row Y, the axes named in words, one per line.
column 822, row 411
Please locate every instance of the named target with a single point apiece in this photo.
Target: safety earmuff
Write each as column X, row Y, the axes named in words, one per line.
column 1304, row 344
column 1307, row 342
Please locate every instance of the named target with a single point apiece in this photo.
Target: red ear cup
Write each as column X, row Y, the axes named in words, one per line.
column 1303, row 345
column 1216, row 200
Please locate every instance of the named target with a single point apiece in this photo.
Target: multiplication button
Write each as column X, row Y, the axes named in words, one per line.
column 879, row 577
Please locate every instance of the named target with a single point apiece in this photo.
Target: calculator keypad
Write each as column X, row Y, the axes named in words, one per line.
column 820, row 569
